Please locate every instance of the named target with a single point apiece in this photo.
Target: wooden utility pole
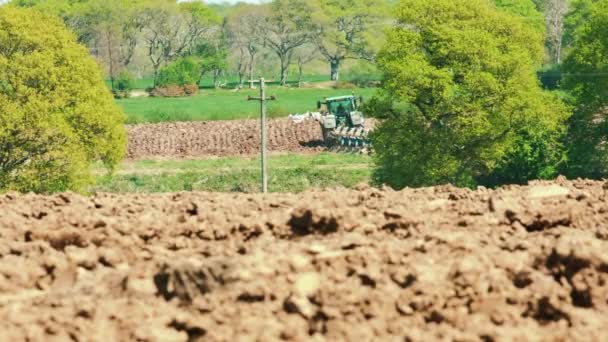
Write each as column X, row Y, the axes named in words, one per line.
column 262, row 100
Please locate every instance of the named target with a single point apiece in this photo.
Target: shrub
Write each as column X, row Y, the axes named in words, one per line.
column 168, row 91
column 175, row 91
column 123, row 85
column 550, row 76
column 344, row 85
column 57, row 117
column 178, row 79
column 184, row 71
column 364, row 74
column 190, row 89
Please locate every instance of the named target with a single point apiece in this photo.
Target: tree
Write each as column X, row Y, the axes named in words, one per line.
column 303, row 56
column 174, row 30
column 461, row 95
column 110, row 28
column 56, row 115
column 579, row 13
column 61, row 8
column 555, row 14
column 183, row 71
column 211, row 56
column 246, row 27
column 288, row 27
column 586, row 67
column 526, row 9
column 350, row 29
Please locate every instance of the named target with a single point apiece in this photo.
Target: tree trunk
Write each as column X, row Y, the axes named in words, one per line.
column 335, row 69
column 283, row 75
column 155, row 82
column 251, row 65
column 300, row 70
column 110, row 60
column 284, row 66
column 216, row 74
column 240, row 74
column 250, row 79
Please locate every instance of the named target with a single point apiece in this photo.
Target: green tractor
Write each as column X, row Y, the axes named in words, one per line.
column 342, row 122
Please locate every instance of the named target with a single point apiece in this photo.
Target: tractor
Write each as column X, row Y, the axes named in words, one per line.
column 341, row 121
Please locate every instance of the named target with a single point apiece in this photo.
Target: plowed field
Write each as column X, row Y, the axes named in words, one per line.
column 518, row 263
column 220, row 138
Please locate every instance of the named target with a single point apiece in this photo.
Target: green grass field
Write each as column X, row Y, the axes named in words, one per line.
column 228, row 104
column 287, row 173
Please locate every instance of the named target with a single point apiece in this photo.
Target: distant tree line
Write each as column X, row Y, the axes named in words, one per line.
column 152, row 34
column 147, row 35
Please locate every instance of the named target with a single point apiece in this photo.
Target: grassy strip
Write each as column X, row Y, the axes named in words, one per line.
column 287, row 173
column 228, row 104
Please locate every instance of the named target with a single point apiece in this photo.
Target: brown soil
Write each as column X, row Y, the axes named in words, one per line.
column 220, row 138
column 518, row 263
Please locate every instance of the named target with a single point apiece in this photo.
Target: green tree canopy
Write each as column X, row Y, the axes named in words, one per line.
column 56, row 115
column 586, row 67
column 289, row 26
column 181, row 72
column 461, row 96
column 350, row 29
column 526, row 9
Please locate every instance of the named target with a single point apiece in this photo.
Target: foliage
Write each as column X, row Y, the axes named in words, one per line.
column 555, row 15
column 363, row 73
column 536, row 153
column 56, row 7
column 580, row 11
column 526, row 9
column 243, row 39
column 182, row 72
column 550, row 76
column 125, row 81
column 289, row 26
column 110, row 27
column 123, row 85
column 211, row 58
column 172, row 30
column 349, row 29
column 460, row 95
column 586, row 68
column 246, row 33
column 56, row 115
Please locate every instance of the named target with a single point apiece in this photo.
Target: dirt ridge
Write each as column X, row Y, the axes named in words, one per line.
column 220, row 138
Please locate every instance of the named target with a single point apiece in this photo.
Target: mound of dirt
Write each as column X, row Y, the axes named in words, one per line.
column 517, row 263
column 220, row 138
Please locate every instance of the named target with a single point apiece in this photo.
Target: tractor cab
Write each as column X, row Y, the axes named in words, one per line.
column 340, row 111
